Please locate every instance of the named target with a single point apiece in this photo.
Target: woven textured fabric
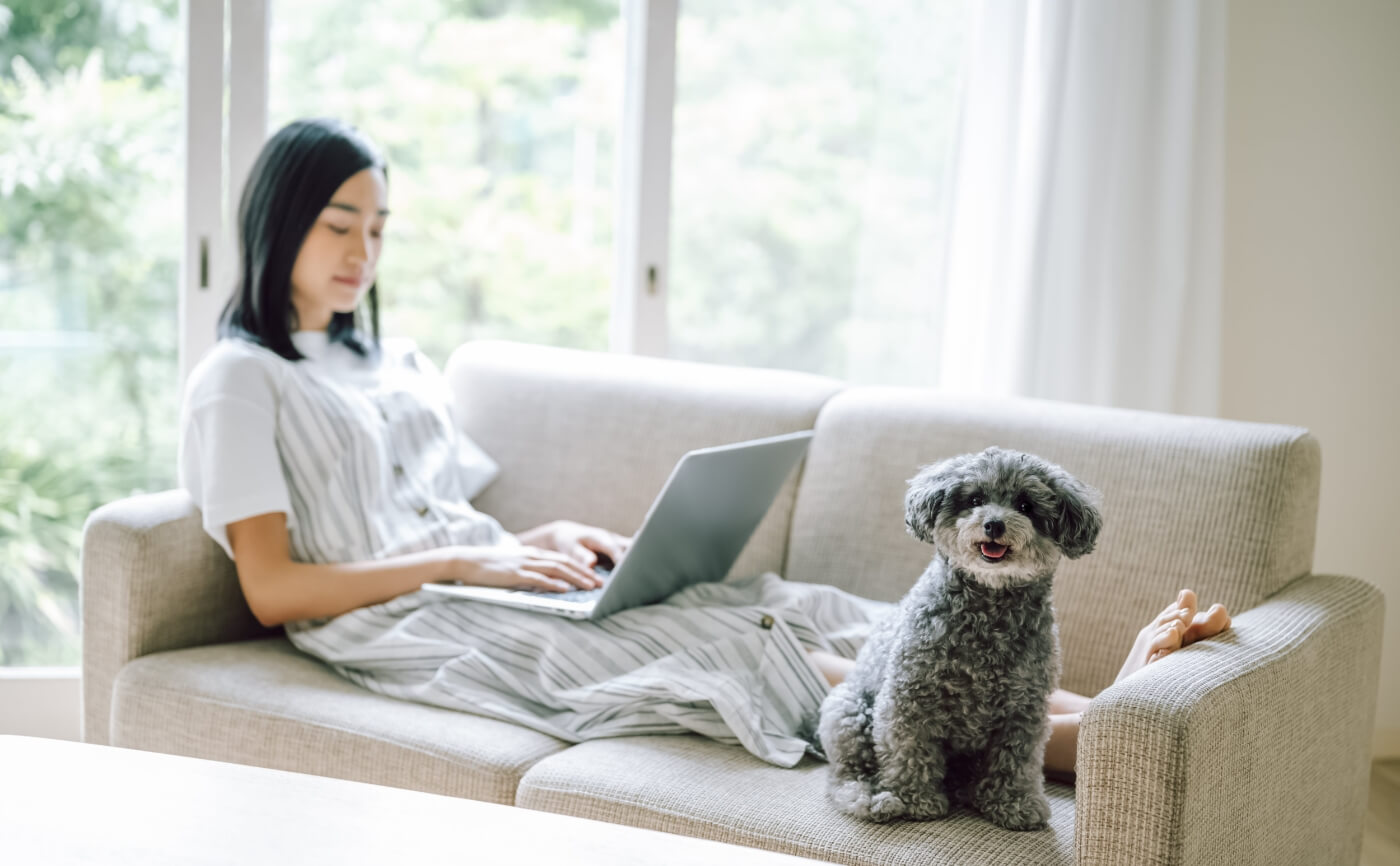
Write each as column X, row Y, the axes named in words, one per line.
column 1250, row 747
column 694, row 787
column 1226, row 508
column 153, row 580
column 265, row 703
column 592, row 436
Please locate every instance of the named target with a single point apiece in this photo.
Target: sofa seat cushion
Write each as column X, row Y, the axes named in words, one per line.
column 264, row 702
column 697, row 787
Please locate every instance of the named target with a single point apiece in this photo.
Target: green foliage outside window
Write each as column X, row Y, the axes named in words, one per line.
column 89, row 245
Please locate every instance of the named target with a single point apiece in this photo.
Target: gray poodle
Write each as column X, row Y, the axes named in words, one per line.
column 948, row 697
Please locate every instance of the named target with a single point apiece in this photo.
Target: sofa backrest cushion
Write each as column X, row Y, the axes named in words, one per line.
column 1226, row 508
column 592, row 436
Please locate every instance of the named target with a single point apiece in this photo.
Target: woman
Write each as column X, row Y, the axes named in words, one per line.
column 330, row 467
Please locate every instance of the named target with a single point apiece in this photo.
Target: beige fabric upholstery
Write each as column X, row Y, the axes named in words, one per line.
column 265, row 703
column 1252, row 747
column 591, row 436
column 153, row 580
column 696, row 787
column 1226, row 508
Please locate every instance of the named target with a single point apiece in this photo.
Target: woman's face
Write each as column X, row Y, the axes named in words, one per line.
column 338, row 258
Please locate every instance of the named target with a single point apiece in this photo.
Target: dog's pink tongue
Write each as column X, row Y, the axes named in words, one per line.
column 995, row 551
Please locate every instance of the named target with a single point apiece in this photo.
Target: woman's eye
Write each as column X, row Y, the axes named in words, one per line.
column 337, row 229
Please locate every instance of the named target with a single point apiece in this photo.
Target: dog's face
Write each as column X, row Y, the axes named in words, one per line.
column 1002, row 516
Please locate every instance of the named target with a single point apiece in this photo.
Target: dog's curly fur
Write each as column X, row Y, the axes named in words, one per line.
column 948, row 698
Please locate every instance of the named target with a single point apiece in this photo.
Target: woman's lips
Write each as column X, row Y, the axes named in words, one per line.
column 348, row 281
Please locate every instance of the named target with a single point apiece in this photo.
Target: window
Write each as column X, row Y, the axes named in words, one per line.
column 89, row 250
column 812, row 149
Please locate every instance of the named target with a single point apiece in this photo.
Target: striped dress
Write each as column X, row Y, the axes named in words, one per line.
column 367, row 460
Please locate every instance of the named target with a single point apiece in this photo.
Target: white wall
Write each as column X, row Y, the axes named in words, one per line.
column 1312, row 269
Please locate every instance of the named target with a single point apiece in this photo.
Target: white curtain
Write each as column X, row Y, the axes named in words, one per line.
column 1083, row 258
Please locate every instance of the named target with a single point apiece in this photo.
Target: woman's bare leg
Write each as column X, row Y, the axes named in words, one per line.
column 1178, row 625
column 1063, row 702
column 835, row 668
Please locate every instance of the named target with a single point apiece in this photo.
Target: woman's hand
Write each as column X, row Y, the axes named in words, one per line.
column 518, row 567
column 580, row 542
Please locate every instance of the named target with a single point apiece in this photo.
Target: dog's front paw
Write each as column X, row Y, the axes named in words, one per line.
column 858, row 799
column 926, row 805
column 885, row 806
column 851, row 796
column 1026, row 812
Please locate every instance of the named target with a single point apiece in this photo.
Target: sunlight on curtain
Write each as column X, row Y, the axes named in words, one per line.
column 1085, row 262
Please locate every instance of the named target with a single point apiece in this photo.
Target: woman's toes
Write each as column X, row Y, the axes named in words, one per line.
column 1207, row 624
column 1167, row 640
column 1184, row 608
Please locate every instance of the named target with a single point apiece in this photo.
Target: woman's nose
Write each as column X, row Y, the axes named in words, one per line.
column 359, row 250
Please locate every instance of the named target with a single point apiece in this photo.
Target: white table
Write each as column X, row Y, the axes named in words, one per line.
column 63, row 802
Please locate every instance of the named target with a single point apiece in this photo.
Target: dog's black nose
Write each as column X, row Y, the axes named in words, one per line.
column 994, row 528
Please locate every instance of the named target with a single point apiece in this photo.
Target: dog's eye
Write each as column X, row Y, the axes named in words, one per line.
column 975, row 500
column 1025, row 506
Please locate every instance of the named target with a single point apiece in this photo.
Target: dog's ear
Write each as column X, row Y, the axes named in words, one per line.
column 1077, row 519
column 928, row 492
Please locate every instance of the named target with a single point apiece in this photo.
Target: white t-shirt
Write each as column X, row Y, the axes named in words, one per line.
column 367, row 460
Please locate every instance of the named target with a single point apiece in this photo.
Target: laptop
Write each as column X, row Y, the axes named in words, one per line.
column 693, row 532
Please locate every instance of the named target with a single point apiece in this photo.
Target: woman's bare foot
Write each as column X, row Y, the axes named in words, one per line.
column 835, row 668
column 1178, row 625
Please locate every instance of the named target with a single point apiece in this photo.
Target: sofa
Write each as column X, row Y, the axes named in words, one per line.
column 1250, row 747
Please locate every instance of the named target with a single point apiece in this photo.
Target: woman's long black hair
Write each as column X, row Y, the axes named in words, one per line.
column 295, row 175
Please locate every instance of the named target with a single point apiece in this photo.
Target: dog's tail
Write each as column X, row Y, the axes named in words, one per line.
column 807, row 730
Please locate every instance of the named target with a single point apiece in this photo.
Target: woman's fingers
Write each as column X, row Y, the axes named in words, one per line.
column 539, row 581
column 558, row 565
column 602, row 541
column 583, row 555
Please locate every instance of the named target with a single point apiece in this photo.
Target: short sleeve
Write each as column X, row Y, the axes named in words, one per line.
column 228, row 461
column 475, row 467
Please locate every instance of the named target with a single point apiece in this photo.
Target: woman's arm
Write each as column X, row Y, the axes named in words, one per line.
column 279, row 590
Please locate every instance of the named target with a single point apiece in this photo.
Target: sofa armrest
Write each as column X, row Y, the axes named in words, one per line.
column 152, row 580
column 1251, row 747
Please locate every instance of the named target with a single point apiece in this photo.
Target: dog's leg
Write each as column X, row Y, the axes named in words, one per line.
column 845, row 737
column 913, row 765
column 911, row 759
column 1011, row 793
